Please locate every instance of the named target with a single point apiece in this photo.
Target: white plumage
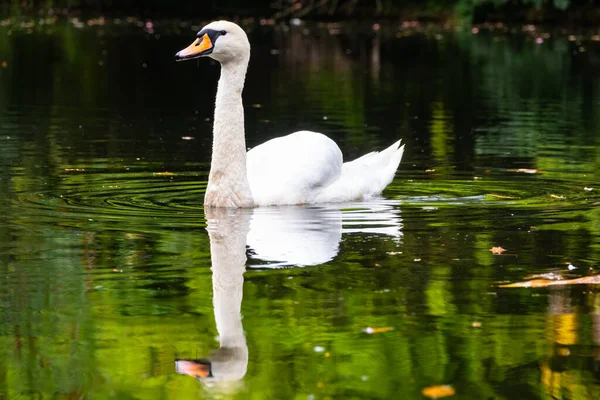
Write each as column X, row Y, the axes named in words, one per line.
column 307, row 167
column 301, row 168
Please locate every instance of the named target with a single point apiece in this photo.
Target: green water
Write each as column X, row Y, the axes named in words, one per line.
column 105, row 259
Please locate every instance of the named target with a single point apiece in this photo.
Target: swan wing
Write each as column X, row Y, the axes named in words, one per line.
column 364, row 177
column 293, row 169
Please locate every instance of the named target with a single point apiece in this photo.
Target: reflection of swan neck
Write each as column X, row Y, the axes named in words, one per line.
column 227, row 229
column 228, row 255
column 227, row 301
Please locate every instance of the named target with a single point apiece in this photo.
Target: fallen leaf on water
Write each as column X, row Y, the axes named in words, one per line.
column 187, row 137
column 497, row 250
column 557, row 197
column 436, row 392
column 586, row 280
column 588, row 189
column 430, row 170
column 550, row 276
column 74, row 169
column 393, row 253
column 525, row 170
column 4, row 64
column 563, row 351
column 533, row 283
column 164, row 174
column 476, row 324
column 371, row 330
column 502, row 197
column 417, row 260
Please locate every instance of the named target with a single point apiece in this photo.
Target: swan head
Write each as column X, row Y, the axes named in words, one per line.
column 223, row 41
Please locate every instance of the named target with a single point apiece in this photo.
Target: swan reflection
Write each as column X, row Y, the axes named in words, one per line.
column 305, row 236
column 272, row 238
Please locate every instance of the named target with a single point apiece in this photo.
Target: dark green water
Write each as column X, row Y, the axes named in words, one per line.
column 105, row 260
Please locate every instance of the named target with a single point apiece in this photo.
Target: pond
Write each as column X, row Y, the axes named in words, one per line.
column 106, row 286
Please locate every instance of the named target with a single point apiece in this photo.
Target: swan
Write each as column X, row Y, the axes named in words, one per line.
column 301, row 168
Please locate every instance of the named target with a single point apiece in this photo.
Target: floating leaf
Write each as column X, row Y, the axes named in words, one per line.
column 497, row 250
column 526, row 170
column 502, row 197
column 436, row 392
column 586, row 280
column 371, row 330
column 166, row 173
column 563, row 351
column 551, row 276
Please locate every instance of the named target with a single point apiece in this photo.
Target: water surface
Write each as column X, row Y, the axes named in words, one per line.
column 105, row 259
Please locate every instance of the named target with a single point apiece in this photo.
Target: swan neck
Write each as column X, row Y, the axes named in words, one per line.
column 228, row 182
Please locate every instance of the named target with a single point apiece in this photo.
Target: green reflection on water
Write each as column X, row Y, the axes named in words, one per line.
column 105, row 260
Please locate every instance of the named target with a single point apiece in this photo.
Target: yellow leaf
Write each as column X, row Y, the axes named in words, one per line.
column 436, row 392
column 497, row 250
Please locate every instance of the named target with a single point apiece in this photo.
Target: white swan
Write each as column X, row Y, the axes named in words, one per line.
column 301, row 168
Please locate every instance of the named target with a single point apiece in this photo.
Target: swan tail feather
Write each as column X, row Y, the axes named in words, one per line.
column 364, row 177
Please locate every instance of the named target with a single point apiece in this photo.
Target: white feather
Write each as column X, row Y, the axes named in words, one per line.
column 301, row 168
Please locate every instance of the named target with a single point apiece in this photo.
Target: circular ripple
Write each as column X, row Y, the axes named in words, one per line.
column 175, row 200
column 151, row 199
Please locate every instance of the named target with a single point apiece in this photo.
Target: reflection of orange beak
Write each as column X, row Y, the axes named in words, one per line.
column 193, row 368
column 200, row 47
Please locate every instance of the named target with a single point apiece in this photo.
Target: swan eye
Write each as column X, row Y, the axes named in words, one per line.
column 223, row 33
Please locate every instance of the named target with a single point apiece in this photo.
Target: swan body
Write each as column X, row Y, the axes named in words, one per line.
column 301, row 168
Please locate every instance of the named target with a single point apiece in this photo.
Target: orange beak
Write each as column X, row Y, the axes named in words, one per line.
column 200, row 47
column 192, row 368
